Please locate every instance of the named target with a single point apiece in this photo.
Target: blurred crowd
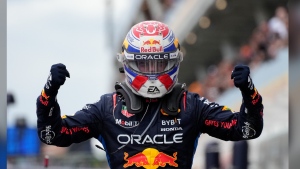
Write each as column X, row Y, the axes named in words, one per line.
column 263, row 45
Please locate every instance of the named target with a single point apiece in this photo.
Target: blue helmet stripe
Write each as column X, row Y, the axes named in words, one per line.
column 170, row 32
column 130, row 72
column 173, row 71
column 171, row 48
column 131, row 49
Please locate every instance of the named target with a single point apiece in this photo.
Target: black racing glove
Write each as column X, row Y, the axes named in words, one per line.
column 57, row 77
column 242, row 80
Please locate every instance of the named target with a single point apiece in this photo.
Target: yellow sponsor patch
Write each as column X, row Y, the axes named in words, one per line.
column 225, row 108
column 63, row 116
column 254, row 94
column 125, row 44
column 45, row 95
column 176, row 42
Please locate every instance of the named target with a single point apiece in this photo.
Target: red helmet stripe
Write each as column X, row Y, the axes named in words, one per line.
column 138, row 82
column 166, row 80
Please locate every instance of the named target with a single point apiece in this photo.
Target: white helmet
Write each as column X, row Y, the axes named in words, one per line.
column 151, row 57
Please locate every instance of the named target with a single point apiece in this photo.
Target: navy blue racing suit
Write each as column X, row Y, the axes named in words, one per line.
column 151, row 138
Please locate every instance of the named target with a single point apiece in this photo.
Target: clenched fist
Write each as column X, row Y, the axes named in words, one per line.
column 241, row 78
column 57, row 77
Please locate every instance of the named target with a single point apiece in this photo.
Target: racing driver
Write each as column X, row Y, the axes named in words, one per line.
column 150, row 121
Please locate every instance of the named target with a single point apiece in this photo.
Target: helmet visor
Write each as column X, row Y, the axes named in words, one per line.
column 151, row 66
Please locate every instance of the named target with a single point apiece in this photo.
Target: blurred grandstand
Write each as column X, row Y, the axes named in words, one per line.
column 215, row 36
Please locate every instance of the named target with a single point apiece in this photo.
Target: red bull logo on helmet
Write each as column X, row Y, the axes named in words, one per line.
column 151, row 49
column 150, row 158
column 151, row 44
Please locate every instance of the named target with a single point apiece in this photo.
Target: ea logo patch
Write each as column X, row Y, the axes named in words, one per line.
column 153, row 90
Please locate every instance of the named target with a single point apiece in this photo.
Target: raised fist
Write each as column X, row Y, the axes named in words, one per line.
column 57, row 77
column 241, row 78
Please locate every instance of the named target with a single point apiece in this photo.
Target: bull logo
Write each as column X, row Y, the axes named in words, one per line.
column 150, row 158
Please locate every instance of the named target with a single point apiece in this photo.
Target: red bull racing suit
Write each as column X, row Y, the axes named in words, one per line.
column 151, row 139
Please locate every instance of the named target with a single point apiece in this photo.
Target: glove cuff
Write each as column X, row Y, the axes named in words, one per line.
column 249, row 93
column 252, row 101
column 249, row 88
column 50, row 92
column 47, row 97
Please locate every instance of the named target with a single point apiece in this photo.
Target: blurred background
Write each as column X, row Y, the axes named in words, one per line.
column 215, row 35
column 3, row 84
column 294, row 84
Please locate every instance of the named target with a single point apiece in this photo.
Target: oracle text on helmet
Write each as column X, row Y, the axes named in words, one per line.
column 152, row 56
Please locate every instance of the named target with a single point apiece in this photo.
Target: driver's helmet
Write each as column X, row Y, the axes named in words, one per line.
column 151, row 57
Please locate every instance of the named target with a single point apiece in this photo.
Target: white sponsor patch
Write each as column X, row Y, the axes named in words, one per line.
column 47, row 134
column 247, row 131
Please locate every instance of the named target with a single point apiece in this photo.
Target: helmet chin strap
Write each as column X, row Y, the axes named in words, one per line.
column 135, row 103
